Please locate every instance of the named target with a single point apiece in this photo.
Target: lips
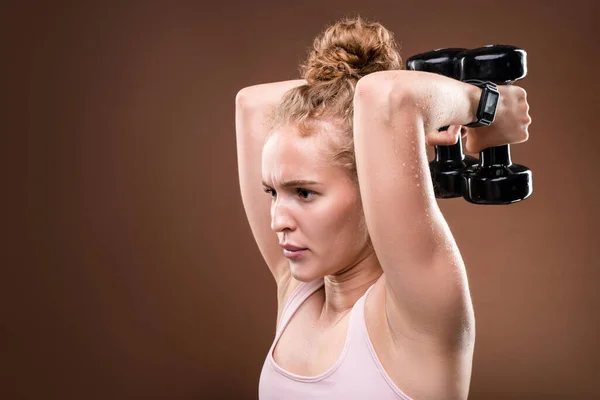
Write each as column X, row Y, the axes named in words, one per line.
column 293, row 252
column 291, row 247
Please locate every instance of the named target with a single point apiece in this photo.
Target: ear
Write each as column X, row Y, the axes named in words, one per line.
column 445, row 137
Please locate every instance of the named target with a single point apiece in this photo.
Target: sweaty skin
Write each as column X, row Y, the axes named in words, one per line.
column 419, row 314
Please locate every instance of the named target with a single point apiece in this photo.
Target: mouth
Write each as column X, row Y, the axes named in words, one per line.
column 292, row 251
column 294, row 254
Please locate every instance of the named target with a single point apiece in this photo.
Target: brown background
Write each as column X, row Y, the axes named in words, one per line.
column 129, row 270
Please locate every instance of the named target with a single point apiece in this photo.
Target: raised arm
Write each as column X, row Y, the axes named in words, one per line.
column 252, row 107
column 396, row 113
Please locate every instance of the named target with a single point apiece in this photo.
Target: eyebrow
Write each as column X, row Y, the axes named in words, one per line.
column 294, row 183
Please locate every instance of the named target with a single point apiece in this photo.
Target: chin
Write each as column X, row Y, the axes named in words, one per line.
column 304, row 272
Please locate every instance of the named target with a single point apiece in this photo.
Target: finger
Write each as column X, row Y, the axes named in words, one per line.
column 444, row 138
column 472, row 145
column 463, row 131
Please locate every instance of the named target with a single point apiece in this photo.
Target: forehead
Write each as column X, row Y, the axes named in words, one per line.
column 287, row 155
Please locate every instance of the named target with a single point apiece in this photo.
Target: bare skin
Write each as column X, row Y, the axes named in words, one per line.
column 419, row 314
column 325, row 217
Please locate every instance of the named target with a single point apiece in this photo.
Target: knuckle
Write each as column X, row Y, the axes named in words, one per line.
column 523, row 92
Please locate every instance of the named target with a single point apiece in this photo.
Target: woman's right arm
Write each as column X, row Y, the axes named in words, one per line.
column 253, row 105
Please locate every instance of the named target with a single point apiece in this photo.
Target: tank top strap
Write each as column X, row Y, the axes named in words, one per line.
column 362, row 351
column 298, row 296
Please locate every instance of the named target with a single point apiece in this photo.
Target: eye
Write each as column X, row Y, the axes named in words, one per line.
column 305, row 194
column 270, row 191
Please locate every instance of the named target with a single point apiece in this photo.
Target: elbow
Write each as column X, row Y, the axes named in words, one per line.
column 251, row 98
column 385, row 90
column 388, row 94
column 375, row 88
column 249, row 104
column 243, row 98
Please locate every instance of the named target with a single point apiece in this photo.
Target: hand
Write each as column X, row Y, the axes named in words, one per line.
column 510, row 125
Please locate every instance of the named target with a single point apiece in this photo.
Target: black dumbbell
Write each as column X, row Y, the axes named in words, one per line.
column 449, row 161
column 495, row 179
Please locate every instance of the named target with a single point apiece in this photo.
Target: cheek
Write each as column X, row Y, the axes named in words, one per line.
column 336, row 224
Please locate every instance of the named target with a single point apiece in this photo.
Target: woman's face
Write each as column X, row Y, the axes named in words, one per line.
column 315, row 205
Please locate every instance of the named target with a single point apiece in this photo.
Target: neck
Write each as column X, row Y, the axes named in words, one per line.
column 343, row 289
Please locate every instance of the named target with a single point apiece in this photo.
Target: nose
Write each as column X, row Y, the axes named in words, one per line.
column 281, row 217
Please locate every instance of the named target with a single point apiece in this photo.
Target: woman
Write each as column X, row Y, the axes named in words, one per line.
column 373, row 297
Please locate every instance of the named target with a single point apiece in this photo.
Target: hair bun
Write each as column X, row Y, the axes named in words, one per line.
column 351, row 49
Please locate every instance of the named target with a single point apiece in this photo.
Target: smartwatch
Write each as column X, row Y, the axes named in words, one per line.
column 488, row 103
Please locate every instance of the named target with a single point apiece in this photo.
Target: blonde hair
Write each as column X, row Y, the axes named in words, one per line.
column 342, row 54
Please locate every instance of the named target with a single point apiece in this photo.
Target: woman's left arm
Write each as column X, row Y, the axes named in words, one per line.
column 396, row 113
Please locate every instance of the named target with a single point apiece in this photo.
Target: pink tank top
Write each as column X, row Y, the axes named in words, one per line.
column 357, row 374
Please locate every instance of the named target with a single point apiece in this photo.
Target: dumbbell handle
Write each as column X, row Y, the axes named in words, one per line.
column 452, row 152
column 497, row 155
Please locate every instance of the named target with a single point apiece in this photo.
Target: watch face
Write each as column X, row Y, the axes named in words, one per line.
column 489, row 109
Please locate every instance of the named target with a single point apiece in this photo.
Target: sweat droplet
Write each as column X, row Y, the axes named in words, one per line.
column 404, row 164
column 418, row 185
